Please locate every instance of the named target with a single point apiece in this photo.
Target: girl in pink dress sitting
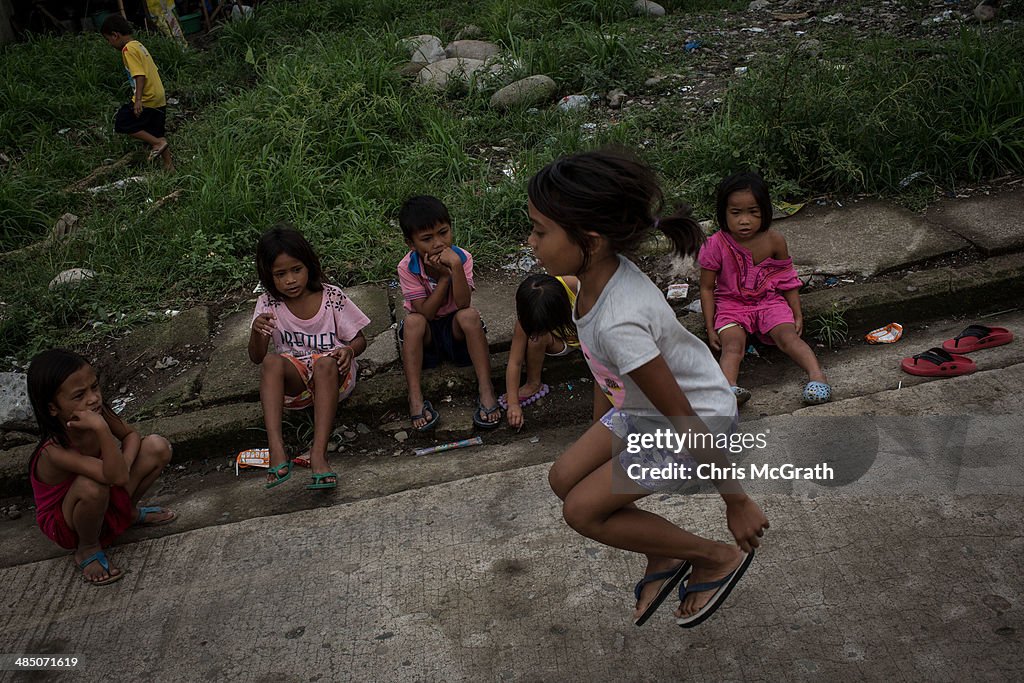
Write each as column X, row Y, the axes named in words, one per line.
column 748, row 286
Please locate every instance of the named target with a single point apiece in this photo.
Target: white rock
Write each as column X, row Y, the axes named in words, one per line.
column 15, row 408
column 439, row 74
column 73, row 276
column 572, row 102
column 647, row 8
column 758, row 5
column 425, row 49
column 401, row 436
column 472, row 49
column 524, row 92
column 615, row 98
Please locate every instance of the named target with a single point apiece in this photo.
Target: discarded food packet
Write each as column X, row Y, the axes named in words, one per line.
column 253, row 457
column 678, row 291
column 782, row 209
column 885, row 335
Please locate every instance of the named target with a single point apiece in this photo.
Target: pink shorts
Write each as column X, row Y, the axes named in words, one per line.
column 304, row 366
column 759, row 319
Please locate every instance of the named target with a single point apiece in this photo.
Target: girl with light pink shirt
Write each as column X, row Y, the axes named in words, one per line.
column 317, row 334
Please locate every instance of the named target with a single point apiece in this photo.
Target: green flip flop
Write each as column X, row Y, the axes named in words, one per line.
column 276, row 471
column 319, row 483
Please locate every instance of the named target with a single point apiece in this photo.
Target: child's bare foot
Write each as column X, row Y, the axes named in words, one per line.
column 647, row 593
column 490, row 412
column 158, row 148
column 704, row 571
column 529, row 389
column 95, row 572
column 421, row 413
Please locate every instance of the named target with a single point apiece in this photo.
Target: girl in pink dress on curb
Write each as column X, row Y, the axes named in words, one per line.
column 748, row 286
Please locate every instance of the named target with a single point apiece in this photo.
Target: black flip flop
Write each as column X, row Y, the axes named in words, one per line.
column 481, row 413
column 423, row 415
column 722, row 588
column 672, row 577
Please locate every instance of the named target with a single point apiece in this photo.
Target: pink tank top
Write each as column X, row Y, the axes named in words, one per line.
column 48, row 496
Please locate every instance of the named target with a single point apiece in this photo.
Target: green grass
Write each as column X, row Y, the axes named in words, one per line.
column 300, row 115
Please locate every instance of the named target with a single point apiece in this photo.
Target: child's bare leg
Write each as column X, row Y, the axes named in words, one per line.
column 415, row 335
column 154, row 454
column 591, row 451
column 466, row 325
column 153, row 141
column 609, row 518
column 326, row 382
column 277, row 375
column 786, row 338
column 165, row 157
column 84, row 507
column 734, row 343
column 535, row 364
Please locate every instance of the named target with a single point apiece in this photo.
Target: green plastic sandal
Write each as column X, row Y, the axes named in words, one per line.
column 276, row 471
column 319, row 483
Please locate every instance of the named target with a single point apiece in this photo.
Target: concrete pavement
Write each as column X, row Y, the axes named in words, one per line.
column 480, row 579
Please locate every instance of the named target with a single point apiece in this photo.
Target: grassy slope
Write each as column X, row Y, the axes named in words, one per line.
column 312, row 124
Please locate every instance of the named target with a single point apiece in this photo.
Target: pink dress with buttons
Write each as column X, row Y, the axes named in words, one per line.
column 748, row 293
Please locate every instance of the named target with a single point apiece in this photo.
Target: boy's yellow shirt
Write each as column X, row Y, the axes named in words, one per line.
column 138, row 62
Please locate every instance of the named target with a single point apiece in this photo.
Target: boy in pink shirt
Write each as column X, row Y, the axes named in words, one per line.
column 437, row 284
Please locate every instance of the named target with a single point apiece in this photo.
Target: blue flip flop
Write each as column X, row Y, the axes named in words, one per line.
column 671, row 577
column 101, row 557
column 722, row 588
column 431, row 423
column 481, row 413
column 146, row 511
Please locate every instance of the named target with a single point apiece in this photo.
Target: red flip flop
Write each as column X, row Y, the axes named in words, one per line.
column 978, row 337
column 938, row 363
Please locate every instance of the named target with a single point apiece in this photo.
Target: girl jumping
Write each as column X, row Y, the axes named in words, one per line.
column 317, row 333
column 543, row 327
column 748, row 286
column 90, row 469
column 587, row 211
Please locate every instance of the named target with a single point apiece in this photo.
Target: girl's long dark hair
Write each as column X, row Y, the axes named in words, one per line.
column 47, row 371
column 614, row 194
column 284, row 239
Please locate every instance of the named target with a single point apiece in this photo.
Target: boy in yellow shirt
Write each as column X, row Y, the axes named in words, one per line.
column 146, row 116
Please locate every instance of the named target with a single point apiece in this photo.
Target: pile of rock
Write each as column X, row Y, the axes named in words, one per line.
column 471, row 63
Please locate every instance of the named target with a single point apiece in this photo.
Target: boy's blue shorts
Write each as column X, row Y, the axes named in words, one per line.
column 443, row 344
column 153, row 121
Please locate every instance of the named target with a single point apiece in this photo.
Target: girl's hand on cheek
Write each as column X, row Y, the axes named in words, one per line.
column 86, row 420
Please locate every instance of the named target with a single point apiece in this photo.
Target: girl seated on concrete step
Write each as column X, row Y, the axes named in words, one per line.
column 748, row 286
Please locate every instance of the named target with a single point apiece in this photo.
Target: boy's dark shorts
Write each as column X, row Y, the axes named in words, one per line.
column 443, row 344
column 150, row 120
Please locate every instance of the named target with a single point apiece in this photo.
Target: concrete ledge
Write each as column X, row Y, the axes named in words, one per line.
column 925, row 294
